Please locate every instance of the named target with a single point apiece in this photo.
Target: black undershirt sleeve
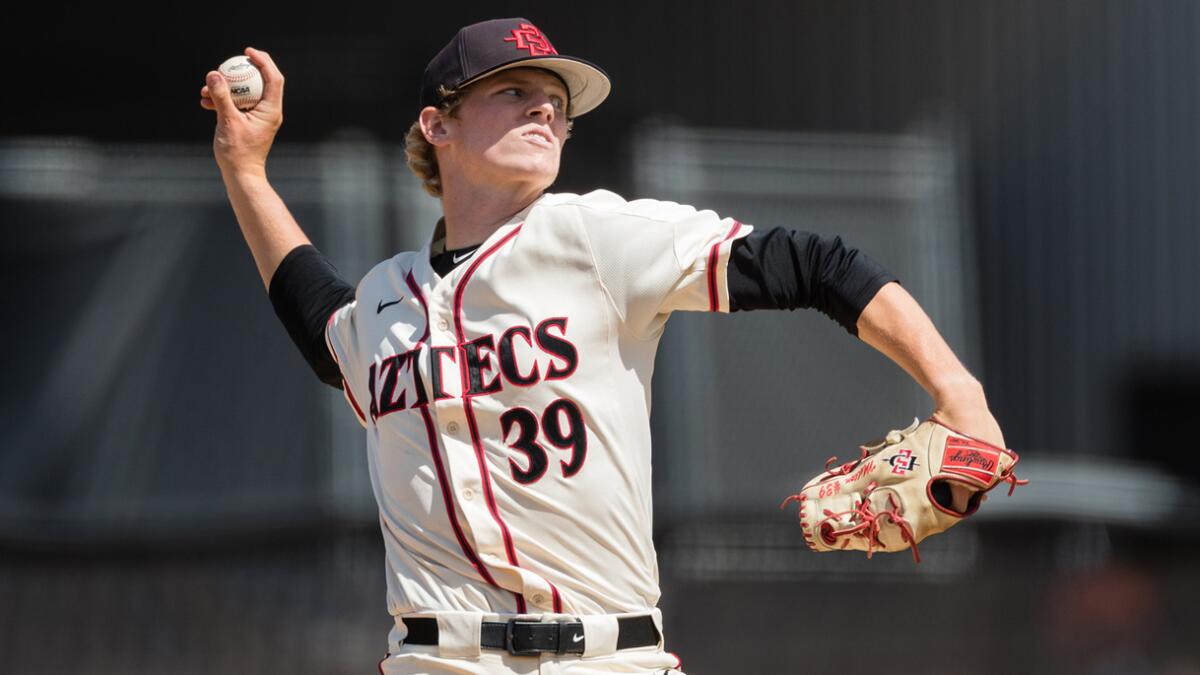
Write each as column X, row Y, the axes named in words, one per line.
column 788, row 269
column 305, row 290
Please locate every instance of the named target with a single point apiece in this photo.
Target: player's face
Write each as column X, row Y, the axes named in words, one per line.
column 511, row 127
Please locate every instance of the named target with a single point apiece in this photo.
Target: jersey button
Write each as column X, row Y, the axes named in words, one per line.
column 468, row 494
column 537, row 599
column 452, row 427
column 443, row 325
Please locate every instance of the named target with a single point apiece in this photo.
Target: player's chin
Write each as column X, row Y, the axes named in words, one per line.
column 541, row 170
column 544, row 161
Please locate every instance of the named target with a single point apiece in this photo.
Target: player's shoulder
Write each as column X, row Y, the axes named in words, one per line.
column 386, row 270
column 599, row 200
column 603, row 205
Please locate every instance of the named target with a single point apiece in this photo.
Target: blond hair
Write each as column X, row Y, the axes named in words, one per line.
column 422, row 160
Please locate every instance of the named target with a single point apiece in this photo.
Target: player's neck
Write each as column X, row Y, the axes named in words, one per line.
column 473, row 213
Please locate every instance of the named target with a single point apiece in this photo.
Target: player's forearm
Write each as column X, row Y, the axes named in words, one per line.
column 269, row 228
column 895, row 324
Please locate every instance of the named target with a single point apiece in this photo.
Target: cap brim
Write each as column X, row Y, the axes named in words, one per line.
column 587, row 84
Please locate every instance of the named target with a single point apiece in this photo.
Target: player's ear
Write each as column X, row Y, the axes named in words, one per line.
column 434, row 126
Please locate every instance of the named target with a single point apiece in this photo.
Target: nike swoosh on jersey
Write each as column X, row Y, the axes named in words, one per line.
column 384, row 305
column 457, row 259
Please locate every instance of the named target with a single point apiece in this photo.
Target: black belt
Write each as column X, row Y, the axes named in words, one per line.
column 530, row 638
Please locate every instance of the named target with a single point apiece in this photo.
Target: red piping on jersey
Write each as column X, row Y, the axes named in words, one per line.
column 448, row 501
column 416, row 291
column 345, row 386
column 350, row 397
column 714, row 300
column 435, row 452
column 509, row 549
column 557, row 599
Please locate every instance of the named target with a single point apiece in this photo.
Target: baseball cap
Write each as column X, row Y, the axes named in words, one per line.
column 488, row 47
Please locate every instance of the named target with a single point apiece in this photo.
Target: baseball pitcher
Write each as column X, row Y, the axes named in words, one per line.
column 502, row 372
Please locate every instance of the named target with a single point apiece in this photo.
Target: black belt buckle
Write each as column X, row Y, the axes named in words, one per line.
column 511, row 646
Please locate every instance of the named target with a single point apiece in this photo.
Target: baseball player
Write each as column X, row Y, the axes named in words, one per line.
column 502, row 372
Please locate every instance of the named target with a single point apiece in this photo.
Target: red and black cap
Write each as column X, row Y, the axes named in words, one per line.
column 489, row 47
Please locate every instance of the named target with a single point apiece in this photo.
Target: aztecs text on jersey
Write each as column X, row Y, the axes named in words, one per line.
column 506, row 406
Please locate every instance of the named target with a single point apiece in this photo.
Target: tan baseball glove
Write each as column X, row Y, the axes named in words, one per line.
column 899, row 491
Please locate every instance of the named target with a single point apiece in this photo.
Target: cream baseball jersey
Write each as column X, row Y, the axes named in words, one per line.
column 507, row 405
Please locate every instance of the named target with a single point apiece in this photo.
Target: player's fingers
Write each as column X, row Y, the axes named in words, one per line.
column 207, row 104
column 960, row 497
column 218, row 88
column 272, row 77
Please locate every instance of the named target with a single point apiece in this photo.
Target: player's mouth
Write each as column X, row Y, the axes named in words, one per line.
column 539, row 137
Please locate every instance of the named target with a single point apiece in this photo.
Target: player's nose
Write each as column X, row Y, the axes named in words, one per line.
column 542, row 107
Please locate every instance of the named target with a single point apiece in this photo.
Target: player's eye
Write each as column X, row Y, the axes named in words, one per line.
column 558, row 103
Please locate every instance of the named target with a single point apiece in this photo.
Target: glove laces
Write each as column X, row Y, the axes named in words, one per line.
column 867, row 523
column 1010, row 477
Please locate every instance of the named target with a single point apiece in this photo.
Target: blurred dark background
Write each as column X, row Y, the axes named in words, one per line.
column 176, row 491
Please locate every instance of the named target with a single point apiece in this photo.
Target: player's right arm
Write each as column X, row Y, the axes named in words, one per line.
column 241, row 143
column 304, row 287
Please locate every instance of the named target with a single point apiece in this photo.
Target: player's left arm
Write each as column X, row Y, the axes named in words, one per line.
column 895, row 324
column 789, row 269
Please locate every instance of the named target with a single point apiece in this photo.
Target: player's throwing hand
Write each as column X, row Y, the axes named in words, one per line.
column 243, row 137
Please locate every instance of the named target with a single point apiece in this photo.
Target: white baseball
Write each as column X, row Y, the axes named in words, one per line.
column 245, row 82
